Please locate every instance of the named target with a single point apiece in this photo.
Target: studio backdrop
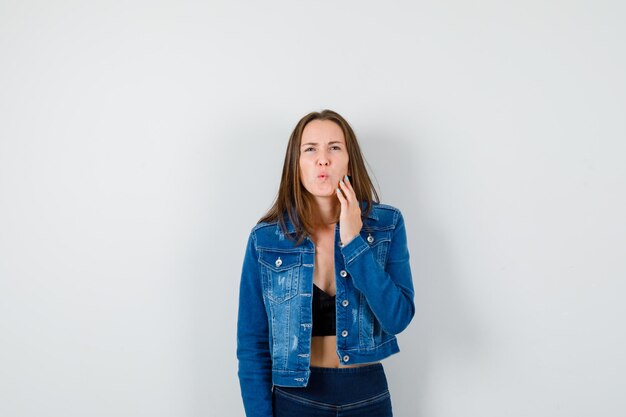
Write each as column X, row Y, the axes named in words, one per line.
column 140, row 142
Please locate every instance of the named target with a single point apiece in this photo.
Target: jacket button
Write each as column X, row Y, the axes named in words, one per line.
column 340, row 245
column 346, row 358
column 343, row 273
column 344, row 333
column 345, row 303
column 278, row 262
column 370, row 238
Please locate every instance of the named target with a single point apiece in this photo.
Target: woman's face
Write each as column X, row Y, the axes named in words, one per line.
column 323, row 158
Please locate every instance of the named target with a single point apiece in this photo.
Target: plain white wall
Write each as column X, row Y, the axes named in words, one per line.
column 140, row 141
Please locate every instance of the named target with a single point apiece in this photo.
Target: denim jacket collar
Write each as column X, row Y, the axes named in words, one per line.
column 291, row 228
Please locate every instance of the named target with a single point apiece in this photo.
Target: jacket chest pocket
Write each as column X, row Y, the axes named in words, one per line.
column 379, row 241
column 281, row 271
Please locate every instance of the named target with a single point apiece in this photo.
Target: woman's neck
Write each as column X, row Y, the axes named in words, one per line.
column 326, row 213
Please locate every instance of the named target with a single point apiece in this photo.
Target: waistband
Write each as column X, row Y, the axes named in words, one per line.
column 340, row 386
column 375, row 367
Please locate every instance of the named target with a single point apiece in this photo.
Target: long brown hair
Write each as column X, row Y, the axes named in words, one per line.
column 294, row 201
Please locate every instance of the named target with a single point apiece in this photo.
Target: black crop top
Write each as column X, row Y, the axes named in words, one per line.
column 323, row 313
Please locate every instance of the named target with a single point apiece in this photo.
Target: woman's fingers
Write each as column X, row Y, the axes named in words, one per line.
column 350, row 223
column 346, row 187
column 347, row 181
column 340, row 196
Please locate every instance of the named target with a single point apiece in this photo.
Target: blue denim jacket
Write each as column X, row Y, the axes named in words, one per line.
column 374, row 295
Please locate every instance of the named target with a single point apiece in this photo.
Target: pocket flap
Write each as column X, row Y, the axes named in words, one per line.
column 280, row 261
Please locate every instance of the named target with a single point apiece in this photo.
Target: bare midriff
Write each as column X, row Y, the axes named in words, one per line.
column 324, row 353
column 324, row 348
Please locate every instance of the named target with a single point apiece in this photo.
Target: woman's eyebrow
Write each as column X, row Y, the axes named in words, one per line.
column 315, row 143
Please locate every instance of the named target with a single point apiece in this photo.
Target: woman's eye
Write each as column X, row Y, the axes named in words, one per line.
column 335, row 147
column 308, row 149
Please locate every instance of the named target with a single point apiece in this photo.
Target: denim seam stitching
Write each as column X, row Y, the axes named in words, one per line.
column 380, row 397
column 377, row 347
column 305, row 400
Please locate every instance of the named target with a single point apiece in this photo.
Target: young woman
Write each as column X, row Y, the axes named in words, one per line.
column 326, row 284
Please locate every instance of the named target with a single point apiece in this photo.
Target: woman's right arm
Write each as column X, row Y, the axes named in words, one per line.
column 255, row 365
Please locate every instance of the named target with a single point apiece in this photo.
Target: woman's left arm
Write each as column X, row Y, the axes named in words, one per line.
column 389, row 290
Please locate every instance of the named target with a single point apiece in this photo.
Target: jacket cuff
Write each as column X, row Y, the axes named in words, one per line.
column 353, row 249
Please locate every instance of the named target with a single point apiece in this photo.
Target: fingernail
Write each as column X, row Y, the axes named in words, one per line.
column 338, row 190
column 341, row 181
column 346, row 177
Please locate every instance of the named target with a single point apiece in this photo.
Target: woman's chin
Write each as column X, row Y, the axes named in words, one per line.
column 323, row 192
column 329, row 192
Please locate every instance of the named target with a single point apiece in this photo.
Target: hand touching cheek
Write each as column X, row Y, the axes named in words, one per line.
column 350, row 222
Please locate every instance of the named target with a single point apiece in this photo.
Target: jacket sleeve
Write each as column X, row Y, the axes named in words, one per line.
column 389, row 290
column 255, row 367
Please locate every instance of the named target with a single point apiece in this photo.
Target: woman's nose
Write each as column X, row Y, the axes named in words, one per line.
column 323, row 158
